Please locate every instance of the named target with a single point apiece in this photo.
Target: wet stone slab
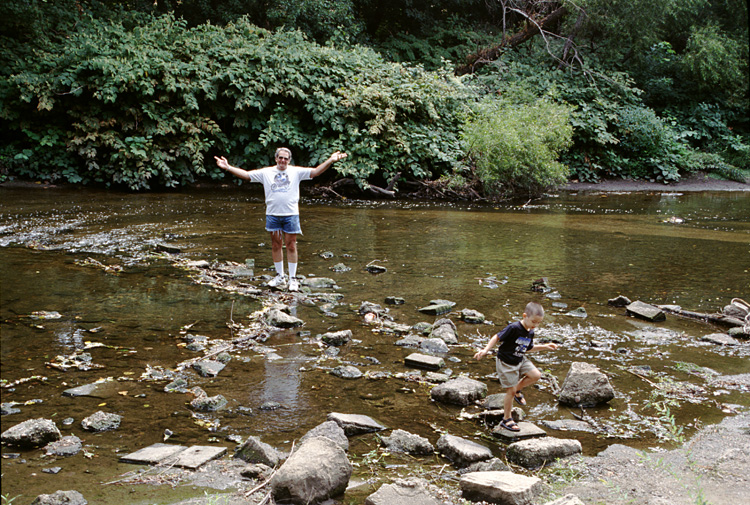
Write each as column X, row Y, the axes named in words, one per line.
column 198, row 455
column 528, row 430
column 185, row 457
column 153, row 454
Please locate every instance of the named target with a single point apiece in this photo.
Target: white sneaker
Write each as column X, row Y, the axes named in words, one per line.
column 277, row 281
column 293, row 285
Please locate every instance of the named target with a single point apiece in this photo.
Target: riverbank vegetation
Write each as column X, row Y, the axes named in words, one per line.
column 502, row 97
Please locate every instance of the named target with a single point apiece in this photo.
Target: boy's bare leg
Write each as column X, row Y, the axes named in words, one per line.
column 508, row 403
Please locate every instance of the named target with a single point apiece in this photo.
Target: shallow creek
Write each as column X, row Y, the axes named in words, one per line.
column 663, row 248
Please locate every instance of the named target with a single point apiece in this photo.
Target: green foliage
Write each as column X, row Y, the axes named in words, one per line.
column 450, row 41
column 147, row 105
column 515, row 146
column 715, row 61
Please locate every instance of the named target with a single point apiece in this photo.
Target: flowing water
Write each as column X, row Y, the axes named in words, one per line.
column 590, row 246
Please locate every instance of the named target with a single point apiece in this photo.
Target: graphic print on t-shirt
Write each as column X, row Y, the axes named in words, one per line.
column 522, row 344
column 281, row 183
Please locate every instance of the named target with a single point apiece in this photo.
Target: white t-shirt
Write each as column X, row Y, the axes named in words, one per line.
column 281, row 188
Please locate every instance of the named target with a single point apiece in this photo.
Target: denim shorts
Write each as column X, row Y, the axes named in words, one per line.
column 510, row 375
column 287, row 224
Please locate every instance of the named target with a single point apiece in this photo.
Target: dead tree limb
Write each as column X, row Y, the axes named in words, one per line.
column 531, row 28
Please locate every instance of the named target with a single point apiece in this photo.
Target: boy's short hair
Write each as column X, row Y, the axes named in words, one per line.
column 534, row 309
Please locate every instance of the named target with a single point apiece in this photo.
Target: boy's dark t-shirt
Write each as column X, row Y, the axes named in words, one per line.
column 514, row 340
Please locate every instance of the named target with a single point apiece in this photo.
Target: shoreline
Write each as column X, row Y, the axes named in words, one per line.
column 693, row 183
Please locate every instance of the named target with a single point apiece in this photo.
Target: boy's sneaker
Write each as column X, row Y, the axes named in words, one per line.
column 293, row 285
column 277, row 281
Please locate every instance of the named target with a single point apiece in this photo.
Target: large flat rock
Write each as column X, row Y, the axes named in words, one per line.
column 153, row 454
column 198, row 455
column 528, row 430
column 185, row 457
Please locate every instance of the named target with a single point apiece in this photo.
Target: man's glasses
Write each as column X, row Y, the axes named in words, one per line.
column 282, row 158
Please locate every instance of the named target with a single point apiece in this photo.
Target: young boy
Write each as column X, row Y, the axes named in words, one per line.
column 514, row 370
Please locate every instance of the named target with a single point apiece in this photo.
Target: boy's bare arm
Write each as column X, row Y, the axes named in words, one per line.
column 484, row 352
column 543, row 347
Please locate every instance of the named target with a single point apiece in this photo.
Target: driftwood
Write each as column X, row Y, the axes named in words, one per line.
column 721, row 319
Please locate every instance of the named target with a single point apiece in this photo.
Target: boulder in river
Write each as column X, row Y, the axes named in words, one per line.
column 501, row 487
column 535, row 452
column 31, row 433
column 462, row 452
column 316, row 471
column 459, row 391
column 255, row 451
column 329, row 429
column 445, row 329
column 585, row 386
column 337, row 338
column 280, row 319
column 409, row 443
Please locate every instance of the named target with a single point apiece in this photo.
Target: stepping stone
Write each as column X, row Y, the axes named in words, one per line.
column 198, row 455
column 153, row 454
column 423, row 361
column 436, row 309
column 645, row 311
column 528, row 430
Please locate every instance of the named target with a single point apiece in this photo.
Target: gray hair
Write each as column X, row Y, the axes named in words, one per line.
column 283, row 149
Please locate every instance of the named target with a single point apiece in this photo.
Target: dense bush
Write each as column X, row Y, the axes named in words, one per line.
column 615, row 133
column 514, row 147
column 146, row 106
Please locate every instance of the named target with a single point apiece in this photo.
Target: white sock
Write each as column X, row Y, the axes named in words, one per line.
column 279, row 267
column 292, row 270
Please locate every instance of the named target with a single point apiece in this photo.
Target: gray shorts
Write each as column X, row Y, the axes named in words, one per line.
column 510, row 375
